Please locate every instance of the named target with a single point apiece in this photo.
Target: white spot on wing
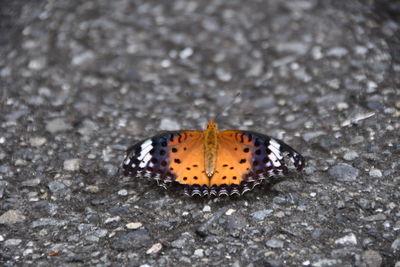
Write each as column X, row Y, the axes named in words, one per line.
column 275, row 151
column 127, row 160
column 145, row 148
column 146, row 143
column 274, row 143
column 274, row 160
column 145, row 160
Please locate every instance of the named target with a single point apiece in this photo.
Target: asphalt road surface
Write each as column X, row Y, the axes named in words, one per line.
column 81, row 81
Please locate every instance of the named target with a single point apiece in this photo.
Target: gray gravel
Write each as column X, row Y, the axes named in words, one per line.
column 81, row 82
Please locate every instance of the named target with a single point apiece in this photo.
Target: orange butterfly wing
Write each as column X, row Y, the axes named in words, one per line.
column 187, row 158
column 233, row 159
column 244, row 159
column 170, row 156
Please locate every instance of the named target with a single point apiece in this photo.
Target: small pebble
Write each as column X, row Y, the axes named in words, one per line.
column 12, row 242
column 72, row 164
column 372, row 258
column 337, row 52
column 349, row 239
column 275, row 243
column 134, row 225
column 12, row 217
column 396, row 245
column 37, row 141
column 57, row 125
column 154, row 248
column 350, row 155
column 165, row 63
column 376, row 217
column 261, row 214
column 112, row 219
column 375, row 173
column 91, row 156
column 223, row 75
column 199, row 253
column 56, row 186
column 185, row 53
column 123, row 192
column 31, row 182
column 207, row 208
column 344, row 172
column 37, row 63
column 27, row 252
column 92, row 189
column 230, row 212
column 20, row 162
column 342, row 106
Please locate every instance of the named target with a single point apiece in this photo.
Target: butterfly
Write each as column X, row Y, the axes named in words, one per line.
column 210, row 162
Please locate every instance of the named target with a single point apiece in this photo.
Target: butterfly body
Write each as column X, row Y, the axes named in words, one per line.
column 210, row 148
column 210, row 162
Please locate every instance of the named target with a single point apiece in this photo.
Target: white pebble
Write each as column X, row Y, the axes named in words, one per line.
column 37, row 141
column 12, row 242
column 92, row 189
column 207, row 208
column 342, row 105
column 350, row 155
column 199, row 252
column 71, row 164
column 230, row 212
column 112, row 219
column 154, row 248
column 134, row 225
column 27, row 252
column 349, row 239
column 123, row 192
column 185, row 53
column 165, row 63
column 37, row 64
column 375, row 173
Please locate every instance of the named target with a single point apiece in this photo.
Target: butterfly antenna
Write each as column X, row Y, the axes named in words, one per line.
column 227, row 106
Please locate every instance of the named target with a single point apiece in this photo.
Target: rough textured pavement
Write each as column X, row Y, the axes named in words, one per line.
column 83, row 80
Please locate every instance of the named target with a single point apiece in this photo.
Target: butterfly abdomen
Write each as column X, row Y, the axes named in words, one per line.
column 210, row 148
